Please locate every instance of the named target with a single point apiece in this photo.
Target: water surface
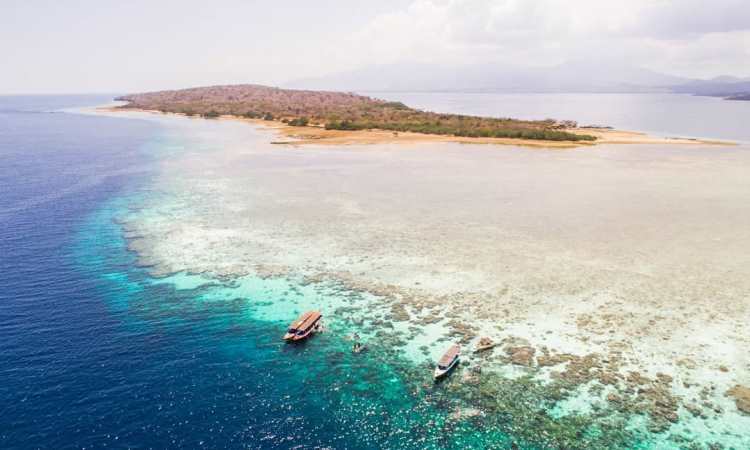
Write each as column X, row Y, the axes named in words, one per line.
column 659, row 114
column 243, row 235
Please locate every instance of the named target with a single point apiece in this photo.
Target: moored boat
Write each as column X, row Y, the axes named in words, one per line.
column 448, row 361
column 304, row 326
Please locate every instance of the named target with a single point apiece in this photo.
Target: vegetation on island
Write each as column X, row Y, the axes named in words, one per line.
column 299, row 122
column 343, row 111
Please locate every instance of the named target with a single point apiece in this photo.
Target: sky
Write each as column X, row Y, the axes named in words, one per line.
column 80, row 46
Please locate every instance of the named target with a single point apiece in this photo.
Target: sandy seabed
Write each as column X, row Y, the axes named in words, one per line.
column 627, row 268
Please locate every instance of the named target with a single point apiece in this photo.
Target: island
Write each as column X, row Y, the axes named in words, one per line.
column 330, row 117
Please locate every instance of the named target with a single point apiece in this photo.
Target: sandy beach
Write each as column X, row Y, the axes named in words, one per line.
column 318, row 135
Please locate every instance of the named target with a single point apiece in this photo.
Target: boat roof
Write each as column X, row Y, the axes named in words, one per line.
column 305, row 320
column 450, row 355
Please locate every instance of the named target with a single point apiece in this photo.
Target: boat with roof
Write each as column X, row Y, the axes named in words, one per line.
column 448, row 361
column 302, row 328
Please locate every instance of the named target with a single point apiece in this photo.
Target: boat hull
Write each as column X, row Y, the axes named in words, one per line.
column 296, row 337
column 440, row 373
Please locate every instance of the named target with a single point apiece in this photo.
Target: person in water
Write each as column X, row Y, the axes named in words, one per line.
column 358, row 348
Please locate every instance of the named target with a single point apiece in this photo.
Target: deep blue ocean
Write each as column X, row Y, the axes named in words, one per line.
column 95, row 354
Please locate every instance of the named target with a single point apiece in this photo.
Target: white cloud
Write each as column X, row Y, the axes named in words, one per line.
column 89, row 45
column 656, row 33
column 692, row 18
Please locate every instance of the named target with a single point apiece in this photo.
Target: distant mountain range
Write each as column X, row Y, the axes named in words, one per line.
column 724, row 86
column 569, row 77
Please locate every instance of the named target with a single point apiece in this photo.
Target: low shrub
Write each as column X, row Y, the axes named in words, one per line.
column 299, row 122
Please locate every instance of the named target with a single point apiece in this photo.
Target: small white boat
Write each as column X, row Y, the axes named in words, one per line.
column 448, row 361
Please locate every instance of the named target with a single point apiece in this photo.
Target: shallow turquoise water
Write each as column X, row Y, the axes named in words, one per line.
column 98, row 353
column 230, row 379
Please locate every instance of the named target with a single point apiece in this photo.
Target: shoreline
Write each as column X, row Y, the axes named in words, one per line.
column 315, row 134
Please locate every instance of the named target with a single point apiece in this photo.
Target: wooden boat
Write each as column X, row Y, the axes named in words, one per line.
column 304, row 326
column 448, row 361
